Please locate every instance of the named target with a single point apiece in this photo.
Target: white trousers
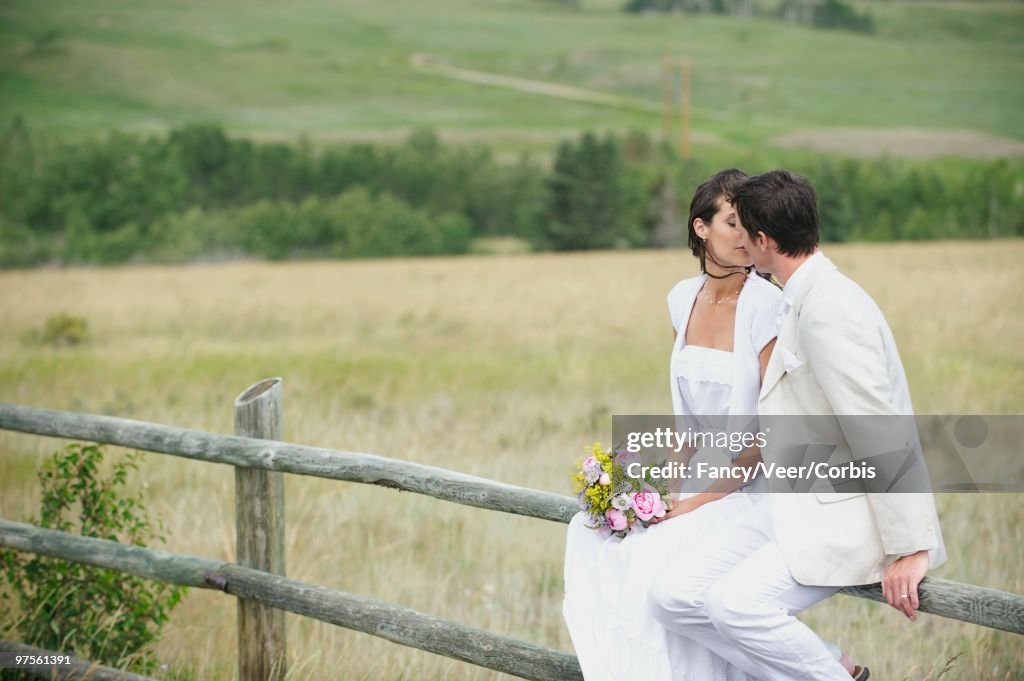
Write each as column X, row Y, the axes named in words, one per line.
column 735, row 595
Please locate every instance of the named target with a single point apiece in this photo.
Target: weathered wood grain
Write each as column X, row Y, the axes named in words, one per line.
column 136, row 560
column 958, row 601
column 290, row 458
column 394, row 623
column 404, row 626
column 966, row 602
column 259, row 535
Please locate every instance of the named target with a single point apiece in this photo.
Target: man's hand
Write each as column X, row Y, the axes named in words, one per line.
column 899, row 585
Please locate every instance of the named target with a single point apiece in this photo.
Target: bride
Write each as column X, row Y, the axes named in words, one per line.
column 724, row 323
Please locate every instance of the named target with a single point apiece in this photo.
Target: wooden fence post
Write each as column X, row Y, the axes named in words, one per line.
column 259, row 531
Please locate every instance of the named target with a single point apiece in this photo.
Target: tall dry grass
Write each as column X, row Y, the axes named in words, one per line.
column 499, row 366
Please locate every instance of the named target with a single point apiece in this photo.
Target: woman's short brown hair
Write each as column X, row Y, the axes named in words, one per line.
column 705, row 204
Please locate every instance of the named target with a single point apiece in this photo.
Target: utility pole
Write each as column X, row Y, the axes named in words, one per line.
column 685, row 71
column 677, row 99
column 667, row 87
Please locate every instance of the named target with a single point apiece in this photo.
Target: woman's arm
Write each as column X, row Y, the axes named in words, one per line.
column 766, row 354
column 681, row 457
column 723, row 487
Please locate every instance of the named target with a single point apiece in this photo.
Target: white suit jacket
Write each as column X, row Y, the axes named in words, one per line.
column 836, row 356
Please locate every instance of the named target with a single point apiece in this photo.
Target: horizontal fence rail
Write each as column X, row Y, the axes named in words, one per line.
column 78, row 670
column 965, row 602
column 394, row 623
column 290, row 458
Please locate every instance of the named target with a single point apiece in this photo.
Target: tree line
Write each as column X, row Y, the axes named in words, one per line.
column 197, row 193
column 828, row 14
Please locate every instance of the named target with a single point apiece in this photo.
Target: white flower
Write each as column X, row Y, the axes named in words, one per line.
column 622, row 502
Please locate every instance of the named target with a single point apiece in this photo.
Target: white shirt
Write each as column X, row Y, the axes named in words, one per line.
column 793, row 288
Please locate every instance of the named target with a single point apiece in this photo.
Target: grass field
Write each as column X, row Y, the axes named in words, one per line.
column 344, row 70
column 503, row 367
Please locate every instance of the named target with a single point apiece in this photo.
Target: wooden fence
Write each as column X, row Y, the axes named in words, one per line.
column 258, row 578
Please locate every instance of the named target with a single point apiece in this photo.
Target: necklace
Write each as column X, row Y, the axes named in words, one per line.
column 727, row 297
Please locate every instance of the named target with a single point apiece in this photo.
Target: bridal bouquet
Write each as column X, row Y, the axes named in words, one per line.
column 614, row 501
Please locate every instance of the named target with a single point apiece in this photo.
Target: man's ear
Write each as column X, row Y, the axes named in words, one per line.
column 761, row 240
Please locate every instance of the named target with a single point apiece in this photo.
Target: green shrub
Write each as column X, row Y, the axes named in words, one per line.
column 196, row 234
column 840, row 15
column 21, row 247
column 61, row 330
column 99, row 614
column 385, row 226
column 356, row 224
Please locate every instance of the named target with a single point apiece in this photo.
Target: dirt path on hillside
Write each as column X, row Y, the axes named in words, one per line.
column 424, row 62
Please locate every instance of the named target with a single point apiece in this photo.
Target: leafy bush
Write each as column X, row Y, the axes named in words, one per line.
column 838, row 14
column 835, row 14
column 102, row 615
column 829, row 14
column 61, row 329
column 196, row 234
column 21, row 247
column 743, row 8
column 636, row 6
column 353, row 225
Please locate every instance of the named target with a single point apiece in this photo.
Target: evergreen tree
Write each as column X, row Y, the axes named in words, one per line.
column 586, row 196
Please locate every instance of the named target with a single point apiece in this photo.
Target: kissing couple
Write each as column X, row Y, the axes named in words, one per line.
column 710, row 592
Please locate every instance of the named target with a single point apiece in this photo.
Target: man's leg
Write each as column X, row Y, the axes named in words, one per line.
column 753, row 607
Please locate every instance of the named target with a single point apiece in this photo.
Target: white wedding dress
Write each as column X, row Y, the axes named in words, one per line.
column 615, row 636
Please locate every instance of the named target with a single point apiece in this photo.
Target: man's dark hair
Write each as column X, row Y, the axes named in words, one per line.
column 706, row 202
column 784, row 207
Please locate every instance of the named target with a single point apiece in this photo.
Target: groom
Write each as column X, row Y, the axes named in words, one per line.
column 740, row 589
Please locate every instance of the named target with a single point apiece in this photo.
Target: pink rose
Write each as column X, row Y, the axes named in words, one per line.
column 648, row 504
column 605, row 479
column 617, row 519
